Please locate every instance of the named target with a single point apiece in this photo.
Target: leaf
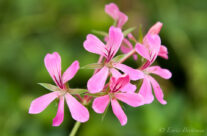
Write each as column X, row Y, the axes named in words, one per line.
column 92, row 66
column 122, row 106
column 140, row 34
column 129, row 30
column 77, row 91
column 139, row 83
column 50, row 86
column 105, row 112
column 100, row 32
column 118, row 58
column 96, row 94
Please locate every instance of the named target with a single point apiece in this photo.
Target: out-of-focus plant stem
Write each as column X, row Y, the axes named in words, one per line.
column 75, row 129
column 127, row 56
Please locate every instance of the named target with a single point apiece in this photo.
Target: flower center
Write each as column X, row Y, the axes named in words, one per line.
column 109, row 64
column 110, row 54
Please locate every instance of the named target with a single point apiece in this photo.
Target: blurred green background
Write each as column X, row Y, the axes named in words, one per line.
column 31, row 28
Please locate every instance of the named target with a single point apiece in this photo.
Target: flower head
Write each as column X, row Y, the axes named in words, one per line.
column 93, row 44
column 78, row 111
column 151, row 46
column 113, row 11
column 116, row 93
column 149, row 49
column 146, row 90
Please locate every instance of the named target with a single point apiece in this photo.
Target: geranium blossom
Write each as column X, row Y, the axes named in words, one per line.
column 113, row 11
column 151, row 46
column 114, row 94
column 109, row 68
column 149, row 49
column 93, row 44
column 78, row 111
column 146, row 90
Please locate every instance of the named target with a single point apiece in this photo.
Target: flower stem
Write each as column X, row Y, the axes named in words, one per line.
column 99, row 61
column 127, row 56
column 75, row 128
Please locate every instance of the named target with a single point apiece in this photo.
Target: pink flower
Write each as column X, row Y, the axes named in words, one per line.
column 155, row 29
column 146, row 90
column 117, row 84
column 149, row 49
column 113, row 11
column 93, row 44
column 151, row 46
column 78, row 111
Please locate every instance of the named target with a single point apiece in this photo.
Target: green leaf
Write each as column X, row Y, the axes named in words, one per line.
column 122, row 105
column 100, row 32
column 140, row 34
column 50, row 87
column 78, row 91
column 129, row 30
column 105, row 112
column 96, row 94
column 139, row 83
column 118, row 58
column 92, row 66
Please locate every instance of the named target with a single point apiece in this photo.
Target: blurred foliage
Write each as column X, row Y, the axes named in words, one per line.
column 31, row 28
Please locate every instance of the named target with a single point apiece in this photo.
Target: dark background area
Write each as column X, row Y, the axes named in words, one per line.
column 31, row 28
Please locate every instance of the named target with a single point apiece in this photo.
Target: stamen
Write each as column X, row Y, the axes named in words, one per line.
column 59, row 82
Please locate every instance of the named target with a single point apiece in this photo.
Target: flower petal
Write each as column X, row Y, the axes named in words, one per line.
column 97, row 81
column 112, row 10
column 60, row 113
column 126, row 46
column 53, row 66
column 153, row 42
column 115, row 73
column 129, row 88
column 158, row 91
column 100, row 103
column 134, row 74
column 163, row 52
column 131, row 99
column 94, row 45
column 125, row 49
column 118, row 83
column 118, row 112
column 115, row 39
column 122, row 19
column 155, row 29
column 164, row 73
column 77, row 110
column 40, row 103
column 146, row 91
column 143, row 51
column 70, row 72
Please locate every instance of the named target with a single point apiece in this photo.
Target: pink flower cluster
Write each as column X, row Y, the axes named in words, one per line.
column 118, row 89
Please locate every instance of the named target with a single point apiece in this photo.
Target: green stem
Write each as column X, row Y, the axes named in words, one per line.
column 75, row 128
column 127, row 56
